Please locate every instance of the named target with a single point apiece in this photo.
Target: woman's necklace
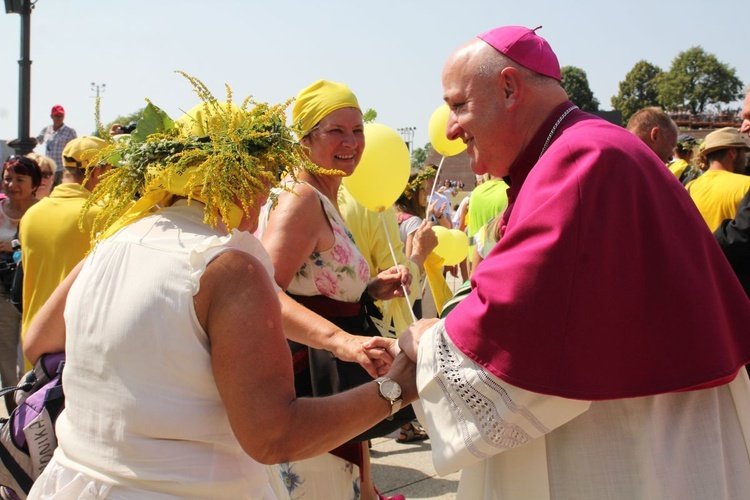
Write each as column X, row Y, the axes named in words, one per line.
column 554, row 127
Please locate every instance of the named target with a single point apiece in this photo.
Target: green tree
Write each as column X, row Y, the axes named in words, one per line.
column 698, row 80
column 576, row 84
column 369, row 116
column 419, row 156
column 639, row 89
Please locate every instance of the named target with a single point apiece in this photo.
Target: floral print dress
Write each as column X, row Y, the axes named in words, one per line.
column 340, row 273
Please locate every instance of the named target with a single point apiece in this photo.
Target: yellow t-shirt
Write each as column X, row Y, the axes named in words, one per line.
column 677, row 167
column 717, row 193
column 52, row 245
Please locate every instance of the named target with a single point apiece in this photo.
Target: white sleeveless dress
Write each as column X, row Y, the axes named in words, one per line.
column 143, row 416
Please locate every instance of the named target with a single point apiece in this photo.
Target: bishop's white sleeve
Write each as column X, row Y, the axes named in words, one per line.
column 472, row 415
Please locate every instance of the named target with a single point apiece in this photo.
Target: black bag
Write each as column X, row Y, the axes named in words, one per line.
column 11, row 276
column 323, row 374
column 16, row 288
column 7, row 272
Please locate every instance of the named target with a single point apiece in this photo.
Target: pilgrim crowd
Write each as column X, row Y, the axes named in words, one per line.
column 236, row 324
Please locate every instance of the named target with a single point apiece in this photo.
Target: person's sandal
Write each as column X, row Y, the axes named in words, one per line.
column 415, row 432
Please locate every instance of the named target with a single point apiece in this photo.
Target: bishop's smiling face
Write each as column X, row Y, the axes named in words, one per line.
column 479, row 104
column 337, row 141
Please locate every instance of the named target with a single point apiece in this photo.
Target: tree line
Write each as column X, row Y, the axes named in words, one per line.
column 696, row 83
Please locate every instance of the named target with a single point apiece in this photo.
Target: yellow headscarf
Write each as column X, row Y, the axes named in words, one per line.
column 167, row 184
column 316, row 101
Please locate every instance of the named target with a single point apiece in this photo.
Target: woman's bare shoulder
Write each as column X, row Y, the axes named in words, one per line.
column 299, row 208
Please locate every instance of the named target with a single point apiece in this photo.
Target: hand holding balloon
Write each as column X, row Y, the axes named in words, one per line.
column 391, row 283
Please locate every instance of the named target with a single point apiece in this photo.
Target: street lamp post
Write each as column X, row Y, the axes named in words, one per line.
column 23, row 7
column 98, row 88
column 408, row 134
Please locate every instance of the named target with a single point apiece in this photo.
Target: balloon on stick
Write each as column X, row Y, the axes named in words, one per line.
column 381, row 176
column 436, row 131
column 461, row 242
column 383, row 171
column 447, row 247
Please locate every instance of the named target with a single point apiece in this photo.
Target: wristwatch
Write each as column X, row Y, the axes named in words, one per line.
column 390, row 390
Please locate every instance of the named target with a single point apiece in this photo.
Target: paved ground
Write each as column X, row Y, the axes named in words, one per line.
column 407, row 469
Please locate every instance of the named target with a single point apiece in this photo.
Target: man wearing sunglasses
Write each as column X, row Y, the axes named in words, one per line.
column 51, row 241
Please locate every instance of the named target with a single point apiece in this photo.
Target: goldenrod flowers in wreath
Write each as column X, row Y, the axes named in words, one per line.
column 414, row 186
column 225, row 156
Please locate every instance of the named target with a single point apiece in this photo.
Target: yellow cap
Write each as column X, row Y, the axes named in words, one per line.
column 79, row 151
column 315, row 102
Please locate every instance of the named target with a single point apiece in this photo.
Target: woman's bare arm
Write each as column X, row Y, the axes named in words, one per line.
column 253, row 370
column 46, row 333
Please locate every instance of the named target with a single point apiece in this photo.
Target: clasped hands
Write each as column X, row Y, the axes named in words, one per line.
column 376, row 354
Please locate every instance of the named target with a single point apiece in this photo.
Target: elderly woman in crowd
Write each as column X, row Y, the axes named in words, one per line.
column 316, row 261
column 47, row 166
column 21, row 179
column 177, row 366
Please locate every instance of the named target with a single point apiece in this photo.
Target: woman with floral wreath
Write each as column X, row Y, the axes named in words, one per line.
column 178, row 377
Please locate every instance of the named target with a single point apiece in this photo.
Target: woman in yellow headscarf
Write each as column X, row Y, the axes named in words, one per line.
column 317, row 263
column 178, row 379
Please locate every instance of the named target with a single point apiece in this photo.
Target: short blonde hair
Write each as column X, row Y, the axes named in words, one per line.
column 45, row 162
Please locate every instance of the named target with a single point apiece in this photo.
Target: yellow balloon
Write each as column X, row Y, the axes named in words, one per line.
column 444, row 241
column 193, row 123
column 462, row 244
column 447, row 247
column 383, row 172
column 436, row 132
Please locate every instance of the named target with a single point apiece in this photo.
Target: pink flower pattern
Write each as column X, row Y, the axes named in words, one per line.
column 341, row 272
column 363, row 271
column 326, row 283
column 341, row 254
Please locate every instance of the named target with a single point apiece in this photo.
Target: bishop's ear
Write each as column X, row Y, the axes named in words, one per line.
column 510, row 85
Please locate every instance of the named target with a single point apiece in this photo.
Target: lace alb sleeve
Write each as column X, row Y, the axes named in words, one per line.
column 471, row 414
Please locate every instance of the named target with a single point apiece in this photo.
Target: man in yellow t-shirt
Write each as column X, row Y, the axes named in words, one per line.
column 718, row 192
column 681, row 165
column 51, row 242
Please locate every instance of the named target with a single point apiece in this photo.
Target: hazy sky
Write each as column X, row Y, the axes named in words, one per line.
column 389, row 52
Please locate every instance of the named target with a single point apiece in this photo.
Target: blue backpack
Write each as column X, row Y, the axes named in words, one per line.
column 27, row 437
